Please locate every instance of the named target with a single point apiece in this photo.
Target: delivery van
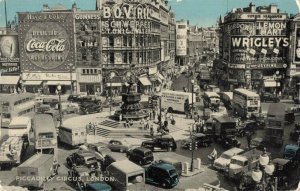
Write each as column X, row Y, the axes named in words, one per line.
column 34, row 171
column 72, row 136
column 175, row 100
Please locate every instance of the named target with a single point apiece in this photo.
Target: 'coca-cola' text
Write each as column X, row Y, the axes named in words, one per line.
column 53, row 45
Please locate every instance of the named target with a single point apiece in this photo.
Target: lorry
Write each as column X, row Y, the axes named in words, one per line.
column 243, row 163
column 175, row 100
column 127, row 175
column 72, row 136
column 34, row 171
column 204, row 78
column 19, row 127
column 11, row 151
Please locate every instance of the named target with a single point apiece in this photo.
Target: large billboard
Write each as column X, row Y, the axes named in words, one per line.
column 297, row 45
column 181, row 39
column 9, row 55
column 46, row 41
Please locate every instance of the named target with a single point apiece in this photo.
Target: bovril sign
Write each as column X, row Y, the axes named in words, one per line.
column 47, row 44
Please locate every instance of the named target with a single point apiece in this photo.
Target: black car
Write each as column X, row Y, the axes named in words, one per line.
column 82, row 158
column 165, row 142
column 140, row 155
column 294, row 135
column 258, row 143
column 90, row 107
column 74, row 98
column 201, row 139
column 269, row 97
column 247, row 127
column 230, row 141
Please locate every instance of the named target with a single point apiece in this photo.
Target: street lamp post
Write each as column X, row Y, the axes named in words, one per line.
column 112, row 75
column 59, row 106
column 268, row 169
column 192, row 110
column 193, row 146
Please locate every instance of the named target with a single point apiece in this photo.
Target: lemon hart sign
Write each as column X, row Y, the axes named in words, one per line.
column 46, row 41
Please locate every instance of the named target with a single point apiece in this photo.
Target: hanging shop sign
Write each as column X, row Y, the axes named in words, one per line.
column 48, row 76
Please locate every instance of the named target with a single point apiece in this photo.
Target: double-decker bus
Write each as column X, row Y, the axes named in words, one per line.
column 15, row 105
column 245, row 102
column 43, row 132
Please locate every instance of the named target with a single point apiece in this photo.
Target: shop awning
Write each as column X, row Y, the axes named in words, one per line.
column 113, row 84
column 270, row 83
column 9, row 80
column 145, row 81
column 32, row 83
column 58, row 82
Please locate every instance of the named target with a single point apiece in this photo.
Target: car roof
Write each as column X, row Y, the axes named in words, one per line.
column 259, row 139
column 233, row 151
column 280, row 161
column 85, row 153
column 291, row 147
column 199, row 135
column 239, row 157
column 142, row 149
column 163, row 165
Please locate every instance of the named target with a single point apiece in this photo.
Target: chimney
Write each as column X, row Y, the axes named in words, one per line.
column 46, row 7
column 252, row 8
column 74, row 7
column 273, row 8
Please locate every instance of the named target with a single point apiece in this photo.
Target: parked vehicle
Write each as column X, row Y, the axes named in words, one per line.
column 90, row 107
column 230, row 141
column 243, row 163
column 274, row 135
column 245, row 103
column 72, row 136
column 201, row 140
column 67, row 108
column 247, row 127
column 19, row 127
column 43, row 108
column 176, row 163
column 81, row 179
column 226, row 98
column 140, row 155
column 75, row 98
column 84, row 158
column 211, row 100
column 260, row 119
column 111, row 158
column 283, row 169
column 31, row 171
column 127, row 176
column 258, row 143
column 176, row 100
column 51, row 101
column 212, row 88
column 162, row 174
column 291, row 152
column 119, row 145
column 43, row 132
column 11, row 151
column 269, row 97
column 165, row 142
column 224, row 159
column 294, row 135
column 223, row 127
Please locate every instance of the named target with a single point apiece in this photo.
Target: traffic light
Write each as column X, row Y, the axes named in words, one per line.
column 191, row 146
column 196, row 145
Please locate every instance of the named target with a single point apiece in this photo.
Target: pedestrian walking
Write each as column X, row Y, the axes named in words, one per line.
column 126, row 123
column 120, row 117
column 55, row 167
column 151, row 131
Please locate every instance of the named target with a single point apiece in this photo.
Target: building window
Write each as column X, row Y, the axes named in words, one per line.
column 125, row 57
column 111, row 58
column 130, row 41
column 124, row 40
column 130, row 57
column 82, row 88
column 111, row 41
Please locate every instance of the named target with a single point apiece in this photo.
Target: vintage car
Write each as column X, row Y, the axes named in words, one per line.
column 269, row 97
column 165, row 142
column 258, row 143
column 222, row 162
column 246, row 127
column 291, row 152
column 140, row 155
column 162, row 174
column 81, row 178
column 118, row 145
column 82, row 158
column 42, row 108
column 51, row 101
column 201, row 139
column 175, row 162
column 260, row 119
column 90, row 107
column 99, row 149
column 74, row 98
column 229, row 141
column 283, row 169
column 67, row 108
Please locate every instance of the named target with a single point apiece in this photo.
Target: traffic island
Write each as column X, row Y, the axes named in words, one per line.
column 187, row 172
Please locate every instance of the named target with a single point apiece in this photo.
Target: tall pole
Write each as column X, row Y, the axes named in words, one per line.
column 193, row 147
column 110, row 96
column 192, row 98
column 5, row 13
column 60, row 112
column 160, row 117
column 71, row 68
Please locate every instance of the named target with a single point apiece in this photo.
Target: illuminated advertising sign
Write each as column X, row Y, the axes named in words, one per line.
column 181, row 39
column 46, row 41
column 9, row 68
column 9, row 55
column 126, row 19
column 297, row 46
column 258, row 16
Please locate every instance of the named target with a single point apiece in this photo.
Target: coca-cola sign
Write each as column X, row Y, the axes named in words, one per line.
column 47, row 45
column 53, row 45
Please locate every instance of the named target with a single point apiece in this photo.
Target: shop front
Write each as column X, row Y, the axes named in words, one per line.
column 8, row 84
column 46, row 83
column 90, row 82
column 144, row 84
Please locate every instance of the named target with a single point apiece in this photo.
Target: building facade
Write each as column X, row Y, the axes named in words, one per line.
column 255, row 43
column 182, row 57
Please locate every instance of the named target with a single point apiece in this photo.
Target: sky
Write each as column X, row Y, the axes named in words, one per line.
column 199, row 12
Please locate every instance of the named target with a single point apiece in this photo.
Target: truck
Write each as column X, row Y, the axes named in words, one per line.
column 243, row 163
column 19, row 127
column 11, row 151
column 176, row 100
column 34, row 171
column 72, row 136
column 204, row 78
